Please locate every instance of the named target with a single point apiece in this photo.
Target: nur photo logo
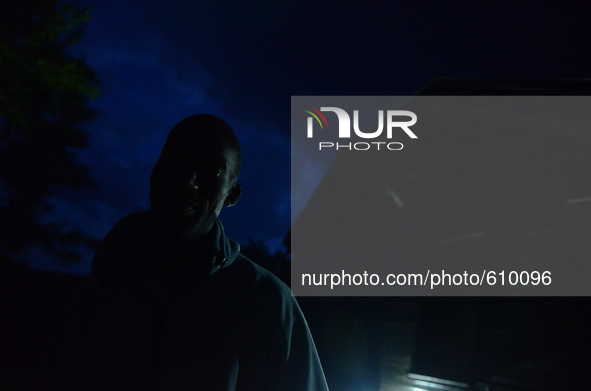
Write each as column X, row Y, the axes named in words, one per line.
column 389, row 120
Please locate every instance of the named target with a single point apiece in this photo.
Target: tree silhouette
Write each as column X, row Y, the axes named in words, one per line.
column 44, row 94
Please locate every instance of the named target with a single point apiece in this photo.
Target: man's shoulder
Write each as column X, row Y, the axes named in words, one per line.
column 122, row 251
column 131, row 225
column 258, row 278
column 135, row 220
column 256, row 273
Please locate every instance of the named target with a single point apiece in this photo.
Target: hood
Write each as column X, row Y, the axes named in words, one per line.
column 225, row 250
column 124, row 254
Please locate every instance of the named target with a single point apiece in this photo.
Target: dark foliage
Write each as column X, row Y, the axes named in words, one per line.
column 44, row 94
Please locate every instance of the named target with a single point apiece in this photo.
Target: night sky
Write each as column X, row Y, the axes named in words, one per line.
column 160, row 61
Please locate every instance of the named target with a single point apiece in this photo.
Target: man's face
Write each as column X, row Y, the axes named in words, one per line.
column 190, row 184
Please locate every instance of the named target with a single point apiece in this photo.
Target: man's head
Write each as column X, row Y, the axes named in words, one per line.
column 195, row 176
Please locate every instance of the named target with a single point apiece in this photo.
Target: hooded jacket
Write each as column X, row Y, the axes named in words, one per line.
column 225, row 324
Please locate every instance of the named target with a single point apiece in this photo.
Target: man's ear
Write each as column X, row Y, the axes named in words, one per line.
column 234, row 195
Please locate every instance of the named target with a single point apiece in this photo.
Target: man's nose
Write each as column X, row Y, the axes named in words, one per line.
column 193, row 183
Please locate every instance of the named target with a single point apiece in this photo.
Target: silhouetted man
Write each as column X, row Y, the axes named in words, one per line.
column 171, row 304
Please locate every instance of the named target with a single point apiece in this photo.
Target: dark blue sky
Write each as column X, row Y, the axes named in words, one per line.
column 160, row 61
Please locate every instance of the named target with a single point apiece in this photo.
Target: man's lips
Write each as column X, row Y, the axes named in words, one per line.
column 177, row 209
column 193, row 206
column 189, row 210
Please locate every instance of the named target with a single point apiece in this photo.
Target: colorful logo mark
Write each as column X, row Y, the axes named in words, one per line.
column 317, row 114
